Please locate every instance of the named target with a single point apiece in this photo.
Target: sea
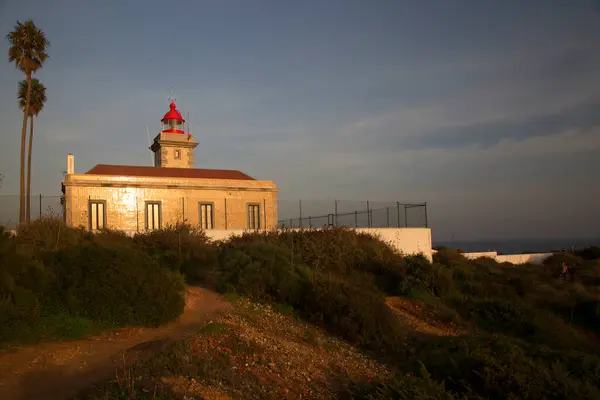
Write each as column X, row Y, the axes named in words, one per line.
column 518, row 246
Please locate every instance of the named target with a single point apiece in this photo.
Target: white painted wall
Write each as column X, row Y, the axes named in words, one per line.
column 536, row 258
column 473, row 256
column 410, row 241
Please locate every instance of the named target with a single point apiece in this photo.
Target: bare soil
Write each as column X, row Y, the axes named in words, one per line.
column 423, row 320
column 254, row 352
column 61, row 370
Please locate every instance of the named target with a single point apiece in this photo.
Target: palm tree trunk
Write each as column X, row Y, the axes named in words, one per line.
column 23, row 143
column 29, row 169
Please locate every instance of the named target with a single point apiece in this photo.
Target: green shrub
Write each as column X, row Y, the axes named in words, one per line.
column 22, row 281
column 449, row 257
column 422, row 276
column 49, row 234
column 519, row 319
column 356, row 313
column 182, row 248
column 263, row 272
column 589, row 253
column 116, row 286
column 347, row 306
column 401, row 386
column 339, row 250
column 498, row 367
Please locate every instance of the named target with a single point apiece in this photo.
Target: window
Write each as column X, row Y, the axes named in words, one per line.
column 153, row 215
column 206, row 216
column 253, row 216
column 178, row 154
column 97, row 213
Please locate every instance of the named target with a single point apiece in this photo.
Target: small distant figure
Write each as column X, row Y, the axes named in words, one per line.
column 565, row 270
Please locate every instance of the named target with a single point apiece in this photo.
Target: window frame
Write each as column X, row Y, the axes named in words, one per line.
column 258, row 218
column 212, row 214
column 91, row 203
column 146, row 220
column 177, row 154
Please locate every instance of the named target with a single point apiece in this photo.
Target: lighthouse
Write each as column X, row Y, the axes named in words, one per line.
column 172, row 147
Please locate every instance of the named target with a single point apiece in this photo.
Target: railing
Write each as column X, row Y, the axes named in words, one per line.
column 354, row 214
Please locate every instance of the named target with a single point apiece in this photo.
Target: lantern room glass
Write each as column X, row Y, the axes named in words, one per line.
column 172, row 124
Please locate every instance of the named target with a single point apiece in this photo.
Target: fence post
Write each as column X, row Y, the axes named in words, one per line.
column 405, row 217
column 300, row 206
column 225, row 213
column 355, row 219
column 368, row 215
column 291, row 223
column 40, row 205
column 426, row 222
column 398, row 212
column 387, row 214
column 336, row 214
column 309, row 222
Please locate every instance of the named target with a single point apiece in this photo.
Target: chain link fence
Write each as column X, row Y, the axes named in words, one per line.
column 353, row 214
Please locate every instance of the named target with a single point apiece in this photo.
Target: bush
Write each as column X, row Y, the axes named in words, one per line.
column 499, row 367
column 422, row 276
column 407, row 387
column 337, row 250
column 182, row 248
column 355, row 313
column 589, row 253
column 116, row 286
column 449, row 257
column 348, row 306
column 22, row 280
column 49, row 234
column 263, row 272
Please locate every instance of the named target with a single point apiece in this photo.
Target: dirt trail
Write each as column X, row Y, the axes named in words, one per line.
column 61, row 370
column 413, row 312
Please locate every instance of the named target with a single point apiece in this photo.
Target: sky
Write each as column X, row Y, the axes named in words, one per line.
column 486, row 110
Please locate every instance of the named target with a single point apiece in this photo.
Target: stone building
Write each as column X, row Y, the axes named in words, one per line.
column 136, row 198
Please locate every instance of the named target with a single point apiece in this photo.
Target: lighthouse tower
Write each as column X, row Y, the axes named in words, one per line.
column 172, row 147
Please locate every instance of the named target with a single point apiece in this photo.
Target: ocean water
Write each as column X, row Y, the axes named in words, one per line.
column 517, row 246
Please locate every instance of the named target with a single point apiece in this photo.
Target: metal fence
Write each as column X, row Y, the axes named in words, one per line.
column 41, row 205
column 354, row 214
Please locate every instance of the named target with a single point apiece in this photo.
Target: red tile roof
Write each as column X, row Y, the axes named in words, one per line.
column 160, row 172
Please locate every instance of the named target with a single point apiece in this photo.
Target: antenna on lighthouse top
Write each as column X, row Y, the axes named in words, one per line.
column 172, row 97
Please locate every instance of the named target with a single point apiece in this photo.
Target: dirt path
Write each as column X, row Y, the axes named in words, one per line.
column 422, row 321
column 60, row 370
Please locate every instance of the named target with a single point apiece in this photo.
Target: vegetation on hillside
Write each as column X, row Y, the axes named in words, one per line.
column 527, row 332
column 63, row 282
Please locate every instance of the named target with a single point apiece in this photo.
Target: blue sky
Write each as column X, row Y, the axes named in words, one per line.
column 487, row 110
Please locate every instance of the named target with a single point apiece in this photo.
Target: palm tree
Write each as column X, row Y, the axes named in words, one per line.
column 28, row 45
column 36, row 104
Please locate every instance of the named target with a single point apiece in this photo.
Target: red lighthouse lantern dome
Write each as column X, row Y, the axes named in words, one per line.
column 172, row 122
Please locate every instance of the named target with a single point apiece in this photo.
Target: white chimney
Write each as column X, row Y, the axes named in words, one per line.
column 70, row 163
